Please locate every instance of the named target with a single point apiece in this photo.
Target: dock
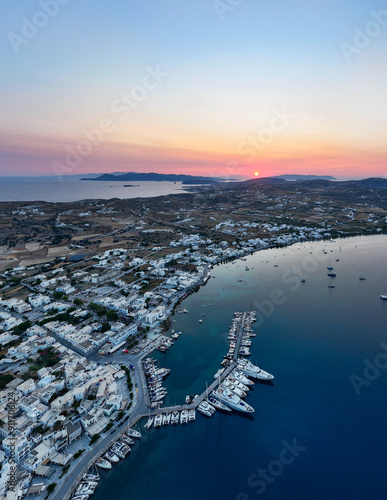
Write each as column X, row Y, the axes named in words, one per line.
column 223, row 375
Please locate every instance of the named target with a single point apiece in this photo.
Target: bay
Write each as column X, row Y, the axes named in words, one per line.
column 313, row 342
column 70, row 189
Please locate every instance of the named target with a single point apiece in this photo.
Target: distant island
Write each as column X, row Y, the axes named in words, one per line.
column 153, row 176
column 301, row 177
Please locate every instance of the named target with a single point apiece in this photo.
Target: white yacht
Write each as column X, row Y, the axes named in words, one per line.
column 234, row 389
column 175, row 418
column 112, row 457
column 227, row 397
column 253, row 371
column 184, row 417
column 218, row 404
column 166, row 418
column 148, row 425
column 237, row 383
column 104, row 464
column 127, row 440
column 158, row 420
column 218, row 373
column 206, row 409
column 133, row 433
column 241, row 378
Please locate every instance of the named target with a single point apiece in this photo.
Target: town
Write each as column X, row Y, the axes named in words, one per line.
column 87, row 291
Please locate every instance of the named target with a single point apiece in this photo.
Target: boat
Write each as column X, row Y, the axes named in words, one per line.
column 104, row 464
column 120, row 449
column 187, row 399
column 166, row 418
column 158, row 420
column 112, row 457
column 184, row 417
column 234, row 389
column 175, row 418
column 362, row 277
column 331, row 285
column 200, row 321
column 303, row 280
column 225, row 396
column 217, row 404
column 148, row 425
column 91, row 477
column 206, row 409
column 218, row 373
column 241, row 378
column 133, row 433
column 191, row 415
column 332, row 274
column 383, row 296
column 127, row 440
column 253, row 371
column 237, row 383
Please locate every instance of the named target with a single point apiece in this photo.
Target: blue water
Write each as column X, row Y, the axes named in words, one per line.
column 312, row 342
column 70, row 189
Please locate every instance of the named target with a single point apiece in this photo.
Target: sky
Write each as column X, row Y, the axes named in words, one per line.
column 211, row 87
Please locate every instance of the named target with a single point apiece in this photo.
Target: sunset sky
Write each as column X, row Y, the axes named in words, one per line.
column 209, row 87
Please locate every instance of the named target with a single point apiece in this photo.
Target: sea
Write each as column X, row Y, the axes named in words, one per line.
column 71, row 188
column 319, row 430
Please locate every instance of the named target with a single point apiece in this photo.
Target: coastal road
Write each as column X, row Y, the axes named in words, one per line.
column 140, row 408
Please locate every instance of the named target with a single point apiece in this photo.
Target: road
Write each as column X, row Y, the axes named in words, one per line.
column 139, row 408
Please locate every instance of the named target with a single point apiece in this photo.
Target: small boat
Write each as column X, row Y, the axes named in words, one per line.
column 104, row 464
column 187, row 399
column 91, row 477
column 332, row 274
column 158, row 420
column 112, row 457
column 362, row 277
column 200, row 321
column 331, row 286
column 383, row 296
column 127, row 440
column 303, row 280
column 218, row 373
column 175, row 418
column 184, row 417
column 148, row 425
column 166, row 418
column 206, row 409
column 191, row 415
column 133, row 433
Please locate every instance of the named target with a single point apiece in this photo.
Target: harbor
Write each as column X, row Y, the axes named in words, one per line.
column 226, row 393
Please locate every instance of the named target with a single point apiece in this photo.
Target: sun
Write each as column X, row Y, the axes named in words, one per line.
column 256, row 174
